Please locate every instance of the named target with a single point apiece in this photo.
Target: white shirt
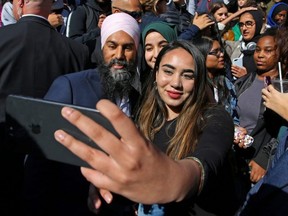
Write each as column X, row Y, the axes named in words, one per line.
column 124, row 105
column 7, row 16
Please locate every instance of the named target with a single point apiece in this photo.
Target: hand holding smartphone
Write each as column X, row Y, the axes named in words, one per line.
column 238, row 61
column 38, row 119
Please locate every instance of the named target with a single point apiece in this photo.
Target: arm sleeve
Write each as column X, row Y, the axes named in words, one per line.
column 189, row 33
column 215, row 143
column 77, row 27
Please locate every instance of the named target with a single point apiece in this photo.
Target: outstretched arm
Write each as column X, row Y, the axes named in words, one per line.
column 202, row 21
column 130, row 166
column 236, row 14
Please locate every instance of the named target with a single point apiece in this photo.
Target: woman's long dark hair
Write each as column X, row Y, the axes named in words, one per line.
column 153, row 112
column 204, row 44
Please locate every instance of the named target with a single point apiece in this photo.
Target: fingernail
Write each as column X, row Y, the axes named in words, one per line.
column 108, row 198
column 67, row 111
column 59, row 136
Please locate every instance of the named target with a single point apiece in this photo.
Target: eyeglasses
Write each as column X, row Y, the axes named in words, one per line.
column 216, row 52
column 135, row 14
column 248, row 24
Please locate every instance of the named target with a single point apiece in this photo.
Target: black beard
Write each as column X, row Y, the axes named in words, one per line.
column 117, row 82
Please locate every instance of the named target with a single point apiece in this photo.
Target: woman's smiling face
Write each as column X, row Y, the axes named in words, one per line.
column 175, row 79
column 154, row 42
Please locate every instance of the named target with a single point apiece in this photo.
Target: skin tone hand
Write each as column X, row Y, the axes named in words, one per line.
column 238, row 71
column 55, row 20
column 239, row 140
column 257, row 172
column 276, row 101
column 202, row 21
column 131, row 166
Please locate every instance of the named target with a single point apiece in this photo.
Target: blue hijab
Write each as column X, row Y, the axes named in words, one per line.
column 275, row 9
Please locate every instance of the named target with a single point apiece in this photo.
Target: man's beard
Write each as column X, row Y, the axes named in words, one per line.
column 117, row 81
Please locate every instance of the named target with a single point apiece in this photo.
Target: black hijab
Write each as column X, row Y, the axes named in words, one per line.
column 248, row 60
column 258, row 17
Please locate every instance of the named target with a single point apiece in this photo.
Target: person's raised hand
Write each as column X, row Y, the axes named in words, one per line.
column 238, row 71
column 202, row 21
column 55, row 20
column 130, row 166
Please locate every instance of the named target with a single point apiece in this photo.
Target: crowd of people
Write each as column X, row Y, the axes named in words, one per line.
column 182, row 82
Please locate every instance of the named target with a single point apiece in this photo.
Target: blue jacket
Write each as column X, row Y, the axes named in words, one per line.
column 270, row 195
column 82, row 89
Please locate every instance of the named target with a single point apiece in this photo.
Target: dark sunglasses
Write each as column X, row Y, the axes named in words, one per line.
column 135, row 14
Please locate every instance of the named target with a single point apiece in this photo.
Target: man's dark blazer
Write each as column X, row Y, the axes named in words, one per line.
column 82, row 89
column 60, row 188
column 32, row 55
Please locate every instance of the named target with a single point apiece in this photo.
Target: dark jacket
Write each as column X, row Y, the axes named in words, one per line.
column 177, row 16
column 82, row 89
column 270, row 195
column 149, row 17
column 32, row 55
column 83, row 23
column 267, row 126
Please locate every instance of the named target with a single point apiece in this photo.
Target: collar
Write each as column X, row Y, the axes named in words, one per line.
column 34, row 15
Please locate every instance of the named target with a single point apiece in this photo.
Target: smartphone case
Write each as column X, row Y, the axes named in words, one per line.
column 238, row 61
column 34, row 121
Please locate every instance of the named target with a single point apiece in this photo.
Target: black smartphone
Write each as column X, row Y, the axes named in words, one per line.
column 33, row 121
column 267, row 81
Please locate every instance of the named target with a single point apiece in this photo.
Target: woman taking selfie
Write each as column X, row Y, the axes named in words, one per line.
column 176, row 156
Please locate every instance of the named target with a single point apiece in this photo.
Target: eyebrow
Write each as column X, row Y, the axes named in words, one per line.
column 116, row 43
column 189, row 71
column 184, row 70
column 268, row 46
column 160, row 42
column 248, row 21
